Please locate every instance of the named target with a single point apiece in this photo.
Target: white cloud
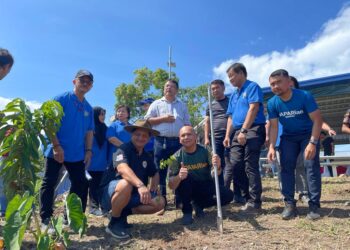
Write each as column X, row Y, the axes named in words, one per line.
column 327, row 54
column 32, row 104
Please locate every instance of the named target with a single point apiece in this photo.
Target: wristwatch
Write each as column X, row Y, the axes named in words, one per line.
column 243, row 131
column 313, row 141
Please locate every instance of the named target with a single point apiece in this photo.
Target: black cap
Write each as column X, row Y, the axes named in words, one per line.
column 84, row 72
column 147, row 100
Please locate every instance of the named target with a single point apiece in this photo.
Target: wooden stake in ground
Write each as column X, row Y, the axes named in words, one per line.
column 217, row 188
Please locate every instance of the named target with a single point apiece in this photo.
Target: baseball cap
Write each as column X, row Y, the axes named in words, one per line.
column 84, row 72
column 147, row 100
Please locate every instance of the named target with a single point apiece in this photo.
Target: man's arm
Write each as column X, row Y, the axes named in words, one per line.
column 88, row 148
column 326, row 127
column 206, row 131
column 115, row 141
column 345, row 129
column 267, row 131
column 310, row 149
column 249, row 119
column 273, row 132
column 58, row 153
column 228, row 132
column 161, row 119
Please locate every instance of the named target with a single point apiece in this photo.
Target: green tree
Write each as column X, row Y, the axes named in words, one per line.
column 148, row 83
column 20, row 140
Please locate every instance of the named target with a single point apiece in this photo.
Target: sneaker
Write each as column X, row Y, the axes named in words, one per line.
column 250, row 207
column 117, row 231
column 96, row 212
column 47, row 226
column 289, row 211
column 304, row 198
column 125, row 222
column 199, row 213
column 313, row 213
column 187, row 219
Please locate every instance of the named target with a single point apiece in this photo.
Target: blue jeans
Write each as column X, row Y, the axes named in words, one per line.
column 108, row 192
column 290, row 147
column 164, row 147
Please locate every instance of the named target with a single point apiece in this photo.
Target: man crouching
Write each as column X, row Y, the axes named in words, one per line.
column 190, row 175
column 126, row 191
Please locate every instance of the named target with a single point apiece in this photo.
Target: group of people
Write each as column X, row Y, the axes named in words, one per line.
column 126, row 161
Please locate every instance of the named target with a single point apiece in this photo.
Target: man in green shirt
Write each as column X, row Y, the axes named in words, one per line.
column 190, row 174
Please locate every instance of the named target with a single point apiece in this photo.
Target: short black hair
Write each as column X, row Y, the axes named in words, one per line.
column 5, row 58
column 280, row 72
column 174, row 82
column 218, row 81
column 238, row 67
column 295, row 81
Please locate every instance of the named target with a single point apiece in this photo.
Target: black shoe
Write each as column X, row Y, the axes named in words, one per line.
column 238, row 199
column 117, row 231
column 251, row 207
column 313, row 213
column 198, row 211
column 125, row 222
column 187, row 219
column 289, row 212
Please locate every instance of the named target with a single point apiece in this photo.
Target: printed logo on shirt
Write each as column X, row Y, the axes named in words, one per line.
column 144, row 164
column 244, row 95
column 292, row 113
column 86, row 113
column 119, row 157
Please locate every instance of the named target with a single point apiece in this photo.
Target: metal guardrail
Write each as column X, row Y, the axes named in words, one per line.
column 333, row 161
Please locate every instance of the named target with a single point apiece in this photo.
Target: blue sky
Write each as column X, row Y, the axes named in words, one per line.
column 51, row 40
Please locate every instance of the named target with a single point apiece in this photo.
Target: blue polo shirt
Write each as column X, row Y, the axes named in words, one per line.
column 239, row 104
column 99, row 157
column 77, row 120
column 294, row 113
column 116, row 129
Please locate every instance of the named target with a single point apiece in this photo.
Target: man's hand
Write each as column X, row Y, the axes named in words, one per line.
column 58, row 153
column 169, row 118
column 216, row 161
column 242, row 138
column 87, row 159
column 226, row 142
column 145, row 195
column 183, row 173
column 332, row 132
column 310, row 151
column 271, row 155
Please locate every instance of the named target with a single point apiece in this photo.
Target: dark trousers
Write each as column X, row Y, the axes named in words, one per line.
column 202, row 193
column 244, row 163
column 95, row 192
column 79, row 184
column 220, row 151
column 290, row 147
column 163, row 148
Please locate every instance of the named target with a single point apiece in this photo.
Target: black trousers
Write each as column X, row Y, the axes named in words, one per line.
column 95, row 192
column 202, row 193
column 79, row 184
column 243, row 163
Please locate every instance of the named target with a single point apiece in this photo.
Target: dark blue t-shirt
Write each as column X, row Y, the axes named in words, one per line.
column 294, row 113
column 239, row 104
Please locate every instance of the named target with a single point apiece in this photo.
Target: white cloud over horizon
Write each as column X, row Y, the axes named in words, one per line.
column 32, row 104
column 328, row 53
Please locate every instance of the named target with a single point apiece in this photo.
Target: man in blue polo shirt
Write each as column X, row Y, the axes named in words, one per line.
column 247, row 122
column 72, row 145
column 301, row 119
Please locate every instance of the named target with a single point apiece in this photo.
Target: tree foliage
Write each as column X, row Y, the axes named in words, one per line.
column 148, row 83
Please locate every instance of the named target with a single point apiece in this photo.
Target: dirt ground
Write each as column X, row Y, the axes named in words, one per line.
column 264, row 231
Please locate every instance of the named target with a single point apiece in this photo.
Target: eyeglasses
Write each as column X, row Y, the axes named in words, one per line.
column 85, row 81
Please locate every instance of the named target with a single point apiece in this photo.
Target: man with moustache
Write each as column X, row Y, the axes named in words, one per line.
column 301, row 119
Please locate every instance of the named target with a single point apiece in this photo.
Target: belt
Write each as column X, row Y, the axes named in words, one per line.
column 167, row 137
